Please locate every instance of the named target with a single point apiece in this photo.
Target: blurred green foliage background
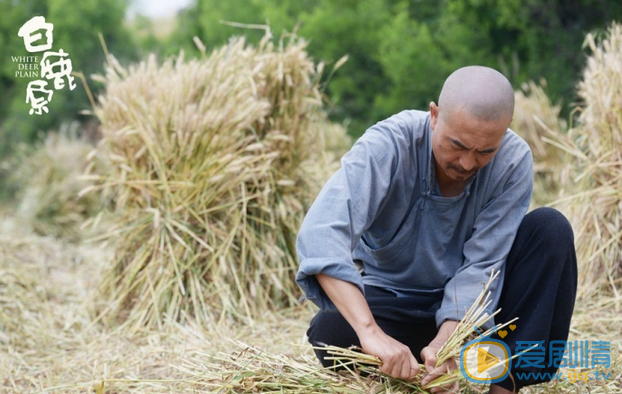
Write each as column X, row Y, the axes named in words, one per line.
column 399, row 51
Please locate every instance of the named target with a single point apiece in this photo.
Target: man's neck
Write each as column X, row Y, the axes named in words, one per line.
column 451, row 189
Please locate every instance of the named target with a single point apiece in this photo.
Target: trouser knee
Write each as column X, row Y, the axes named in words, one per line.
column 549, row 226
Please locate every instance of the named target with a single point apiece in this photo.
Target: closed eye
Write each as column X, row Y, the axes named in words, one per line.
column 458, row 145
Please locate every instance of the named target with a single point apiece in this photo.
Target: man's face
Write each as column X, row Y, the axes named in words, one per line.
column 462, row 143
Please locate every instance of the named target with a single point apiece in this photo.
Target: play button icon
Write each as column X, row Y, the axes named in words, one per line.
column 485, row 360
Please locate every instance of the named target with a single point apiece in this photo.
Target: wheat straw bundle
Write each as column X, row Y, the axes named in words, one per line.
column 535, row 119
column 596, row 144
column 534, row 115
column 49, row 181
column 213, row 163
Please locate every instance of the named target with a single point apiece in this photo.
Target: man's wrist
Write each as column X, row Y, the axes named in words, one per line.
column 367, row 328
column 444, row 332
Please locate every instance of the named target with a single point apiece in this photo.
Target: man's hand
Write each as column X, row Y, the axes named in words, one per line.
column 397, row 359
column 428, row 355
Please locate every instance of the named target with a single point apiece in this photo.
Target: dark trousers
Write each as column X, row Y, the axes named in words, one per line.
column 539, row 288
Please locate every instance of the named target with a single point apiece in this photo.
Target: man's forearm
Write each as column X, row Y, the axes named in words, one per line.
column 397, row 359
column 350, row 302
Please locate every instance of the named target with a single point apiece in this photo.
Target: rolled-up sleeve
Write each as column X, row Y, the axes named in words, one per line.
column 486, row 250
column 344, row 209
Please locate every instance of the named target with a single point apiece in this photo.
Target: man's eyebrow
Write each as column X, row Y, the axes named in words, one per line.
column 462, row 146
column 488, row 150
column 459, row 144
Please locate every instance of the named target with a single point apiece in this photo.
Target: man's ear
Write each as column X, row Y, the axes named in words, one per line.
column 433, row 114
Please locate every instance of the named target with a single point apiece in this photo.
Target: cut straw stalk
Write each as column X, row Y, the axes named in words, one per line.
column 253, row 370
column 477, row 316
column 354, row 360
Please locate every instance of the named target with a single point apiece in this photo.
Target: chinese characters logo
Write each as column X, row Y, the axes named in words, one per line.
column 487, row 360
column 54, row 67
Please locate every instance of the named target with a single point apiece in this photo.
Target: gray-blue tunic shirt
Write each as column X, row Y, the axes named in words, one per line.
column 383, row 207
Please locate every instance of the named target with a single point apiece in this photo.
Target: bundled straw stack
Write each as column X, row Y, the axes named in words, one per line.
column 537, row 120
column 213, row 163
column 596, row 144
column 49, row 183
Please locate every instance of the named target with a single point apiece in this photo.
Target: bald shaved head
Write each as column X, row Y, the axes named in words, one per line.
column 473, row 114
column 480, row 91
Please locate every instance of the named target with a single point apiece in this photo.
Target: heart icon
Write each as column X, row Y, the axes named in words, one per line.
column 512, row 327
column 503, row 333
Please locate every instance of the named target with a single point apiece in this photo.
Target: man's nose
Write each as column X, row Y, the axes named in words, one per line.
column 468, row 162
